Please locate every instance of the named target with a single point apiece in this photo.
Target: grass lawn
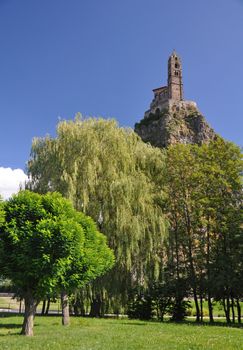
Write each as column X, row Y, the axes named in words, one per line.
column 7, row 302
column 110, row 334
column 13, row 304
column 218, row 310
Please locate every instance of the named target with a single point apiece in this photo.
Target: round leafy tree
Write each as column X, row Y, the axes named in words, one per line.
column 47, row 247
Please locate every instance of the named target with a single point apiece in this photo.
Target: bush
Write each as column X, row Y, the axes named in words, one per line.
column 140, row 307
column 179, row 310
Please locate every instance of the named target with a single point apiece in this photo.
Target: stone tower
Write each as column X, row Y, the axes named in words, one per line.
column 166, row 96
column 171, row 119
column 175, row 85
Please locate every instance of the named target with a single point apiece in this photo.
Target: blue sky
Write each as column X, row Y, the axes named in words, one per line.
column 103, row 58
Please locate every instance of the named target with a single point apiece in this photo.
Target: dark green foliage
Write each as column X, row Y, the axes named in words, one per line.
column 141, row 306
column 162, row 297
column 204, row 206
column 159, row 300
column 152, row 117
column 177, row 290
column 179, row 309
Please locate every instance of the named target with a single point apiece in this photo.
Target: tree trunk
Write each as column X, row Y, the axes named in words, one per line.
column 177, row 250
column 228, row 308
column 95, row 310
column 20, row 306
column 226, row 311
column 82, row 310
column 30, row 310
column 238, row 310
column 201, row 307
column 232, row 308
column 43, row 308
column 48, row 306
column 196, row 305
column 76, row 309
column 193, row 281
column 65, row 309
column 210, row 308
column 191, row 262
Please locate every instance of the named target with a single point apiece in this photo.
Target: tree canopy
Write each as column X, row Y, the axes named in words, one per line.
column 204, row 248
column 109, row 173
column 47, row 247
column 172, row 216
column 204, row 205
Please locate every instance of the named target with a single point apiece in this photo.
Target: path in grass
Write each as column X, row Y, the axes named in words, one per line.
column 109, row 334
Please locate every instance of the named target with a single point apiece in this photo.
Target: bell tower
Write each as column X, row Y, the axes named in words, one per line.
column 175, row 85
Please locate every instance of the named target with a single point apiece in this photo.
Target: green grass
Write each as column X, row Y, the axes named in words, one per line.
column 110, row 334
column 218, row 310
column 8, row 302
column 13, row 304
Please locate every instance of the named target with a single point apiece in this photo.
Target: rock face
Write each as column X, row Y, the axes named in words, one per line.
column 179, row 122
column 171, row 119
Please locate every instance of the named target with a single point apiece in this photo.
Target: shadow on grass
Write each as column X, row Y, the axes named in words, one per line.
column 183, row 323
column 10, row 325
column 134, row 323
column 208, row 324
column 13, row 329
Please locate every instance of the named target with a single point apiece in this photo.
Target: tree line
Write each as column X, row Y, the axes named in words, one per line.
column 173, row 217
column 203, row 252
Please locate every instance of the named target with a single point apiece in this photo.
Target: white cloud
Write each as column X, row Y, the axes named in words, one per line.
column 10, row 181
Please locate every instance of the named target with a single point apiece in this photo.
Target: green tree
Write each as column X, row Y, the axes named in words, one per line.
column 204, row 201
column 183, row 212
column 221, row 198
column 48, row 247
column 109, row 173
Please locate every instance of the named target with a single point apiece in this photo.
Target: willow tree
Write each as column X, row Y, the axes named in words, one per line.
column 108, row 173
